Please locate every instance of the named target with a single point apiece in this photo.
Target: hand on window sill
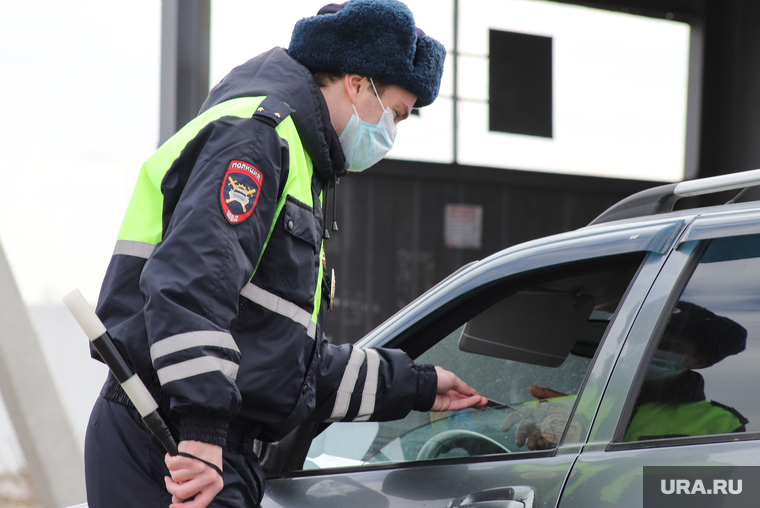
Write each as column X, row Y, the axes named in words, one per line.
column 453, row 394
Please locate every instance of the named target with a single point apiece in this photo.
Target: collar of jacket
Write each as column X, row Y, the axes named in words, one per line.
column 277, row 75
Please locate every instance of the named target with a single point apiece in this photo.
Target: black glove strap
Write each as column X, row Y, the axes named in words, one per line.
column 210, row 464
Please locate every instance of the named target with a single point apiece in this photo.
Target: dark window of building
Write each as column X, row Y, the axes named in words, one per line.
column 520, row 83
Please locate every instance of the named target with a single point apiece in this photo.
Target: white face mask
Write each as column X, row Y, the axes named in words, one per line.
column 664, row 365
column 364, row 144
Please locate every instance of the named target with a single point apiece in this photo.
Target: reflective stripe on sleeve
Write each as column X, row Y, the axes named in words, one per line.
column 132, row 248
column 347, row 384
column 195, row 367
column 369, row 394
column 280, row 306
column 189, row 340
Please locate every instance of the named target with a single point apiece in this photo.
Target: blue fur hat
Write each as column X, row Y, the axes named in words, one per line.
column 372, row 38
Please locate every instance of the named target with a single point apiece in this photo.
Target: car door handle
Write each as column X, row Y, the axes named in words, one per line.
column 503, row 497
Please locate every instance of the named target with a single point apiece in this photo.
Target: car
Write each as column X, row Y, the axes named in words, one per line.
column 646, row 327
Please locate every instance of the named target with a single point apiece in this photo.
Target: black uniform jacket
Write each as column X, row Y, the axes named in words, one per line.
column 222, row 350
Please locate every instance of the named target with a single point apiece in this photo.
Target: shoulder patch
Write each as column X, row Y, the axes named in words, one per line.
column 240, row 191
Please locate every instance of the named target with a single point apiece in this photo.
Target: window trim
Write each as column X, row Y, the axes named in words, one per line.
column 723, row 225
column 575, row 411
column 682, row 441
column 617, row 442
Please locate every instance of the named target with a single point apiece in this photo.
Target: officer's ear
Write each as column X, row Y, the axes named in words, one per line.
column 354, row 86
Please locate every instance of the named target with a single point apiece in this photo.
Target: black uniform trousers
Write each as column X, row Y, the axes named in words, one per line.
column 124, row 465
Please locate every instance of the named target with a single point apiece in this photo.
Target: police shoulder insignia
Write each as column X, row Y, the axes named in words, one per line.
column 240, row 191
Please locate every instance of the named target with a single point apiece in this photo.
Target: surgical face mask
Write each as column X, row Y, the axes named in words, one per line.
column 664, row 365
column 364, row 144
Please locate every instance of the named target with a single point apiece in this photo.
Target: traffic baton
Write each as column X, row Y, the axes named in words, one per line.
column 131, row 383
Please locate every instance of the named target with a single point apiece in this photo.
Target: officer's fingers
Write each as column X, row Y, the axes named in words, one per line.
column 452, row 400
column 463, row 388
column 182, row 494
column 187, row 472
column 477, row 401
column 178, row 462
column 450, row 381
column 204, row 490
column 181, row 491
column 184, row 486
column 182, row 475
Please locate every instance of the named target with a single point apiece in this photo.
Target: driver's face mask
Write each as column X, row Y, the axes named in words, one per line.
column 364, row 144
column 664, row 365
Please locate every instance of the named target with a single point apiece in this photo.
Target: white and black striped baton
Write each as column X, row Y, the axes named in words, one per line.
column 129, row 381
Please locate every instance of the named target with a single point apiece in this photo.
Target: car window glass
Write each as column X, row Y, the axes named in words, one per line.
column 703, row 377
column 543, row 330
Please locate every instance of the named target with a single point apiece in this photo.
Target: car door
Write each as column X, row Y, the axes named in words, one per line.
column 551, row 313
column 662, row 410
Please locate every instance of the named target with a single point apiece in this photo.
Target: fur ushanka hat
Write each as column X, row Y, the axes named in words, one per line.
column 372, row 38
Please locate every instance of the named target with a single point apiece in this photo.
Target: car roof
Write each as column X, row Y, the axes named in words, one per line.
column 661, row 199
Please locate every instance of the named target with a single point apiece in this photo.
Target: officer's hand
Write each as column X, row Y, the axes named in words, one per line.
column 191, row 477
column 453, row 393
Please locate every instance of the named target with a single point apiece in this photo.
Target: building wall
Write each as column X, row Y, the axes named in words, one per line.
column 731, row 107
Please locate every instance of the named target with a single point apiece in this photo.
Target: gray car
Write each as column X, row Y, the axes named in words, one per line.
column 645, row 326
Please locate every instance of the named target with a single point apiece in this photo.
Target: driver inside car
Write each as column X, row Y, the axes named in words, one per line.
column 671, row 402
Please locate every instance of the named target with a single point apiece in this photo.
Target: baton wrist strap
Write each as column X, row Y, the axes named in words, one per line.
column 209, row 464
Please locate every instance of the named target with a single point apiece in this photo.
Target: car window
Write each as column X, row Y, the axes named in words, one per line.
column 703, row 378
column 541, row 330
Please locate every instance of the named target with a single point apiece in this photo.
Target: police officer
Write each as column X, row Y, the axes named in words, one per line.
column 214, row 290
